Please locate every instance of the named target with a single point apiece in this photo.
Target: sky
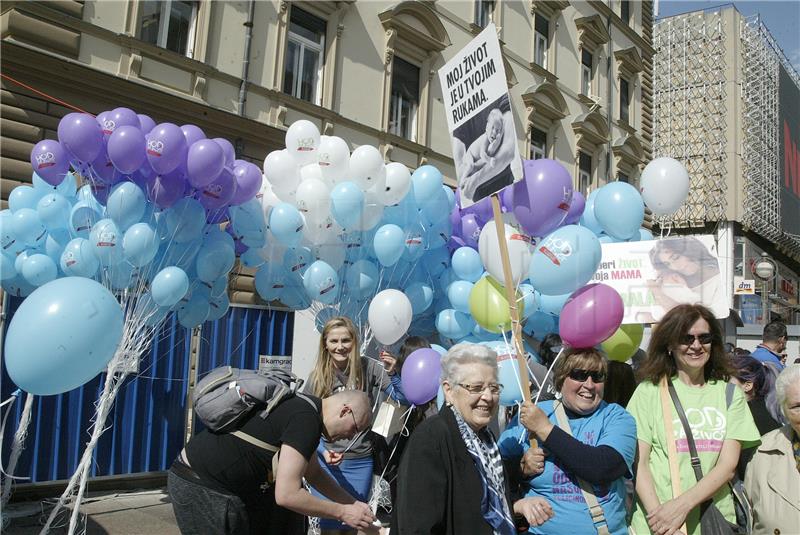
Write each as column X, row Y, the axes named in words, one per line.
column 781, row 17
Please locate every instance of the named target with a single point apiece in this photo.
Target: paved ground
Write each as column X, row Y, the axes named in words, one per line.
column 146, row 512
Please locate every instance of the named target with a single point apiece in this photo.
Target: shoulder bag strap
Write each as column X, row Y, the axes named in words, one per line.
column 595, row 511
column 672, row 450
column 698, row 471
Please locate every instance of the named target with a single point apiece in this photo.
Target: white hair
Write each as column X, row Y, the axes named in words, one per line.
column 466, row 353
column 789, row 376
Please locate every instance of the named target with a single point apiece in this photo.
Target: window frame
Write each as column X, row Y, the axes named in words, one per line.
column 626, row 6
column 484, row 8
column 587, row 73
column 625, row 93
column 583, row 174
column 395, row 113
column 305, row 43
column 538, row 48
column 536, row 149
column 622, row 177
column 162, row 35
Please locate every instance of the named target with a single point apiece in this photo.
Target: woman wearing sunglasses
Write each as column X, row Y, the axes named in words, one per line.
column 451, row 478
column 589, row 448
column 686, row 350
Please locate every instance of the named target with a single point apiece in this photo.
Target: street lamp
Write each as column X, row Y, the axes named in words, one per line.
column 765, row 270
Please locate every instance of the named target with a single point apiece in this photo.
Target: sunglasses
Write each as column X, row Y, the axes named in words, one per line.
column 583, row 375
column 688, row 339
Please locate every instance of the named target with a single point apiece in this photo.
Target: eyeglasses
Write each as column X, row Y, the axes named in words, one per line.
column 583, row 375
column 688, row 339
column 477, row 390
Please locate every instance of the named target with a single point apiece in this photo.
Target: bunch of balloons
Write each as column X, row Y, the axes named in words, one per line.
column 137, row 207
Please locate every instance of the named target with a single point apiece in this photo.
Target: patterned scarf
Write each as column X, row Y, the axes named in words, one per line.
column 486, row 456
column 796, row 449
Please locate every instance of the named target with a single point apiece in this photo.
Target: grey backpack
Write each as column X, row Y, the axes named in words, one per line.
column 226, row 395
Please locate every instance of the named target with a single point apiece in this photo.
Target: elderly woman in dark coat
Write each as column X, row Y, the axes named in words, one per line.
column 451, row 478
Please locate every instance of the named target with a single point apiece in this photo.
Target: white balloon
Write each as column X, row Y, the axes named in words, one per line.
column 267, row 198
column 519, row 252
column 664, row 185
column 302, row 141
column 286, row 192
column 366, row 166
column 394, row 185
column 333, row 156
column 313, row 199
column 322, row 231
column 281, row 168
column 332, row 251
column 372, row 214
column 389, row 316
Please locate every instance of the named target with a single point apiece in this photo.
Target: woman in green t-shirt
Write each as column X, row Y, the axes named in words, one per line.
column 686, row 348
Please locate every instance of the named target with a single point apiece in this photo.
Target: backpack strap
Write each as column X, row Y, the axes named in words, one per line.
column 729, row 390
column 595, row 511
column 255, row 442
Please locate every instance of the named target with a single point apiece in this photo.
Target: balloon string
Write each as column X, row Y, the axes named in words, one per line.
column 45, row 95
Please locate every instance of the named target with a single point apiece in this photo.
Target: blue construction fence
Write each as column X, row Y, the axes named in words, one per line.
column 147, row 422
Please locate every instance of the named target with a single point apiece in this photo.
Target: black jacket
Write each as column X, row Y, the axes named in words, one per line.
column 438, row 487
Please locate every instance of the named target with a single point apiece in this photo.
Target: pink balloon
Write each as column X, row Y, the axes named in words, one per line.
column 590, row 315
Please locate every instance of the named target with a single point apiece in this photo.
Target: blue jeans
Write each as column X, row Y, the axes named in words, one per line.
column 354, row 476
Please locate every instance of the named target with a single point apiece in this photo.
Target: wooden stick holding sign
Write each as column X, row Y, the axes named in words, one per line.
column 511, row 296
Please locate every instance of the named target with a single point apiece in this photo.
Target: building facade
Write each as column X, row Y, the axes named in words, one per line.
column 718, row 79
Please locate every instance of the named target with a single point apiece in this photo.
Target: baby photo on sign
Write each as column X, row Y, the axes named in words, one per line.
column 483, row 149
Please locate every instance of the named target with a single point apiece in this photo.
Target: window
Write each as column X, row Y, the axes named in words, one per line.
column 483, row 12
column 541, row 40
column 404, row 99
column 586, row 72
column 625, row 11
column 302, row 77
column 169, row 24
column 538, row 144
column 622, row 177
column 584, row 172
column 624, row 100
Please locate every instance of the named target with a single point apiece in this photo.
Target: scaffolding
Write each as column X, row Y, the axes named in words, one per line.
column 761, row 61
column 690, row 119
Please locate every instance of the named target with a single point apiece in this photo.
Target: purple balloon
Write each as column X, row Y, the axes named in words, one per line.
column 102, row 118
column 248, row 182
column 455, row 220
column 166, row 190
column 455, row 243
column 576, row 208
column 145, row 123
column 420, row 375
column 166, row 148
column 80, row 134
column 140, row 179
column 103, row 170
column 126, row 149
column 481, row 209
column 50, row 161
column 111, row 120
column 219, row 193
column 590, row 315
column 228, row 150
column 542, row 198
column 192, row 133
column 471, row 230
column 204, row 162
column 507, row 199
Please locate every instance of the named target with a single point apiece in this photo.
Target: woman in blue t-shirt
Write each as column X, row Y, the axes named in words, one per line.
column 598, row 448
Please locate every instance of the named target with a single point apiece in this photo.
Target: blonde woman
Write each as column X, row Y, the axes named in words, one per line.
column 340, row 366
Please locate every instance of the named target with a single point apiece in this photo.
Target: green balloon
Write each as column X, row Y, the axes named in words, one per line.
column 489, row 306
column 621, row 345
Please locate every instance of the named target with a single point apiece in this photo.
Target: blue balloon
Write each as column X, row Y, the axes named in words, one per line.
column 213, row 261
column 426, row 183
column 619, row 209
column 296, row 260
column 121, row 276
column 82, row 217
column 182, row 255
column 43, row 353
column 126, row 204
column 540, row 324
column 324, row 316
column 439, row 234
column 458, row 294
column 148, row 310
column 28, row 228
column 565, row 260
column 467, row 264
column 252, row 258
column 54, row 210
column 218, row 307
column 420, row 294
column 321, row 282
column 588, row 218
column 169, row 286
column 140, row 244
column 436, row 261
column 415, row 242
column 454, row 324
column 8, row 240
column 107, row 241
column 7, row 269
column 68, row 187
column 528, row 299
column 347, row 203
column 645, row 235
column 78, row 259
column 295, row 297
column 451, row 197
column 270, row 280
column 436, row 209
column 551, row 304
column 605, row 238
column 249, row 222
column 185, row 220
column 39, row 269
column 389, row 244
column 439, row 349
column 362, row 279
column 55, row 244
column 194, row 311
column 286, row 224
column 23, row 197
column 18, row 286
column 508, row 374
column 85, row 194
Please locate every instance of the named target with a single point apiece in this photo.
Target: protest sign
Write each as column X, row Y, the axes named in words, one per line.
column 654, row 276
column 480, row 119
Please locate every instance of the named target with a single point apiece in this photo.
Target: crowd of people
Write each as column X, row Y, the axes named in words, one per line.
column 697, row 437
